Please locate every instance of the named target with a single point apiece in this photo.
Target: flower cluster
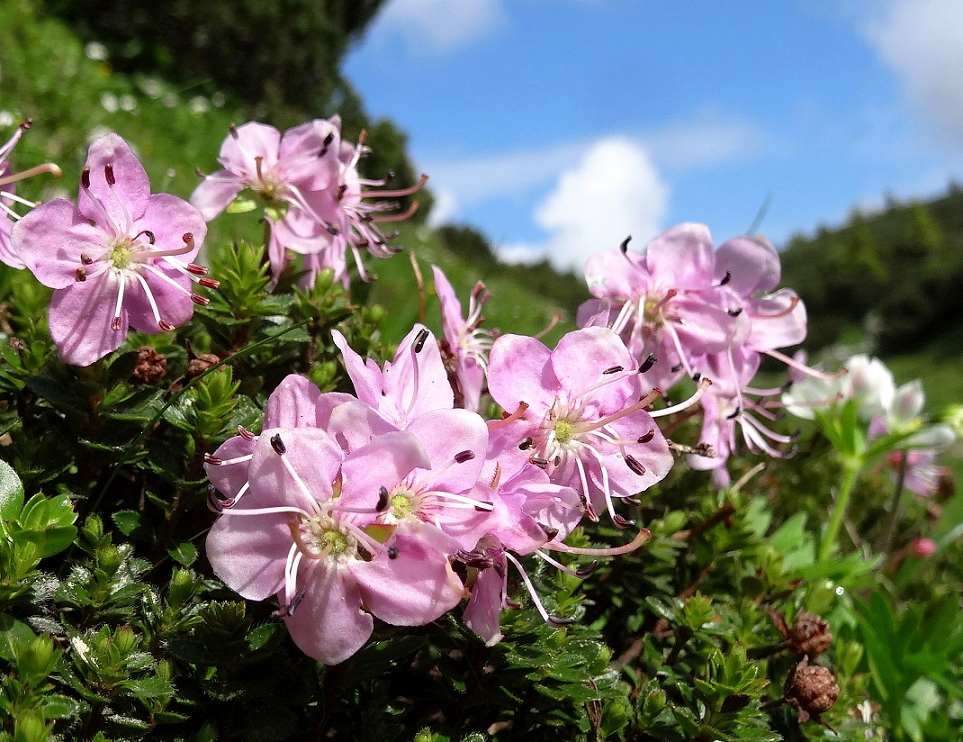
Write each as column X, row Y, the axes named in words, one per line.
column 684, row 308
column 120, row 257
column 887, row 411
column 349, row 507
column 313, row 197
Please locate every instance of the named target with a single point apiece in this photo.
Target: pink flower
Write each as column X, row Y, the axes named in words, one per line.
column 8, row 195
column 309, row 532
column 414, row 383
column 120, row 258
column 313, row 197
column 665, row 303
column 465, row 347
column 580, row 414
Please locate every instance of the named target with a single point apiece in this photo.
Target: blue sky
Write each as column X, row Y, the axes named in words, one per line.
column 558, row 127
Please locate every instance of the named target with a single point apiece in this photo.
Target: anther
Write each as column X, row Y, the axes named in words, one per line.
column 549, row 532
column 245, row 433
column 208, row 283
column 233, row 129
column 696, row 376
column 624, row 247
column 197, row 270
column 212, row 460
column 392, row 552
column 382, row 499
column 526, row 444
column 278, row 445
column 165, row 326
column 648, row 363
column 734, row 312
column 202, row 301
column 85, row 177
column 332, row 230
column 558, row 621
column 539, row 462
column 420, row 340
column 148, row 234
column 86, row 259
column 635, row 465
column 734, row 414
column 341, row 191
column 586, row 570
column 115, row 323
column 462, row 456
column 676, row 367
column 109, row 174
column 612, row 370
column 645, row 437
column 621, row 522
column 80, row 275
column 725, row 279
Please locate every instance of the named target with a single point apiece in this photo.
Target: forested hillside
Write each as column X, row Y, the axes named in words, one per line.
column 894, row 275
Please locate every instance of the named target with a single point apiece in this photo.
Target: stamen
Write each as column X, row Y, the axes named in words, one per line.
column 546, row 616
column 47, row 167
column 115, row 322
column 704, row 384
column 635, row 465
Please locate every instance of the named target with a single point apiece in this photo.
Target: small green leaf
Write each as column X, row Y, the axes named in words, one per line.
column 127, row 521
column 11, row 492
column 60, row 707
column 15, row 636
column 184, row 554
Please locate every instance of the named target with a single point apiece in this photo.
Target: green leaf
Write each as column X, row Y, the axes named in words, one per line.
column 14, row 637
column 11, row 492
column 184, row 554
column 152, row 687
column 127, row 521
column 60, row 707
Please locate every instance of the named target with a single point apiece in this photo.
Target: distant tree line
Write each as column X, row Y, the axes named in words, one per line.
column 282, row 58
column 895, row 274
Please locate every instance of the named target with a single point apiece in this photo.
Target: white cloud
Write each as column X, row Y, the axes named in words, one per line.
column 441, row 24
column 705, row 141
column 613, row 192
column 922, row 40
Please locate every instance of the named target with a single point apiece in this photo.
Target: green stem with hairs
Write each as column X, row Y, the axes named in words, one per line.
column 852, row 465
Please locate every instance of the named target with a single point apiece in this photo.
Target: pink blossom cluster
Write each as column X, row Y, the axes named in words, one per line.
column 391, row 503
column 687, row 309
column 314, row 200
column 120, row 257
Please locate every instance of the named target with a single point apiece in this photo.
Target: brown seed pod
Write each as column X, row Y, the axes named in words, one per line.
column 810, row 689
column 151, row 366
column 809, row 634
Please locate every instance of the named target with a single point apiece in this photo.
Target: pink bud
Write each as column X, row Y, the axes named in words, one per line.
column 923, row 547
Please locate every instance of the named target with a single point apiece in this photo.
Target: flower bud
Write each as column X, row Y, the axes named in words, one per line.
column 924, row 548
